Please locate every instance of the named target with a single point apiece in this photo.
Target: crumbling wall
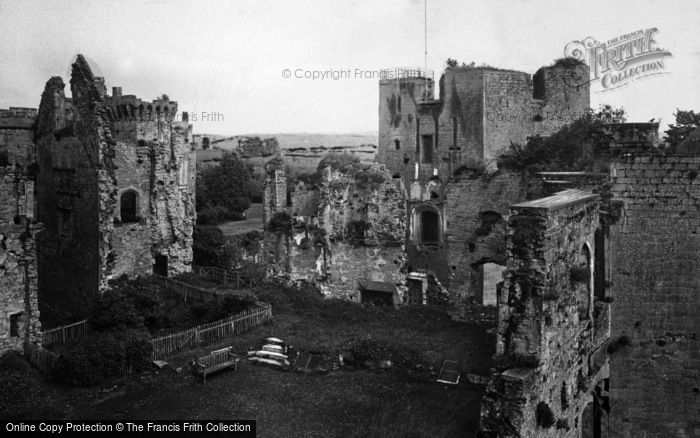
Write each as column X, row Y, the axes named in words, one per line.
column 479, row 113
column 16, row 136
column 88, row 157
column 654, row 390
column 67, row 204
column 475, row 234
column 19, row 308
column 349, row 229
column 546, row 324
column 274, row 189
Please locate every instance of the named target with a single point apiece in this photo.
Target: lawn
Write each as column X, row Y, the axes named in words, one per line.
column 402, row 401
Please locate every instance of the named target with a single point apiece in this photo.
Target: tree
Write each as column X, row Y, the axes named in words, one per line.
column 208, row 245
column 608, row 114
column 451, row 63
column 686, row 122
column 225, row 189
column 571, row 148
column 164, row 97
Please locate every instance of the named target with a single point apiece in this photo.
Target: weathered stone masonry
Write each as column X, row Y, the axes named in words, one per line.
column 19, row 310
column 550, row 330
column 655, row 251
column 348, row 234
column 430, row 142
column 115, row 190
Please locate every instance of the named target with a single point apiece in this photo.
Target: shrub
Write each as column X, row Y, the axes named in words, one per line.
column 101, row 356
column 217, row 214
column 207, row 245
column 115, row 311
column 571, row 148
column 280, row 223
column 471, row 168
column 343, row 162
column 369, row 179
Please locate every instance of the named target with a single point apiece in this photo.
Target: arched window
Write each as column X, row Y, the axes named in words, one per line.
column 128, row 206
column 582, row 277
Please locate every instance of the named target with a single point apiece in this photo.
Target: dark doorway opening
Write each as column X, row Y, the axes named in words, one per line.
column 128, row 203
column 160, row 267
column 429, row 227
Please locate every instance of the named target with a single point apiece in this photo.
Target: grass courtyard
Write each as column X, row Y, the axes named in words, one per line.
column 352, row 401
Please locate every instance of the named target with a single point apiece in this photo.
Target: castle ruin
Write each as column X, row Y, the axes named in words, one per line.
column 115, row 190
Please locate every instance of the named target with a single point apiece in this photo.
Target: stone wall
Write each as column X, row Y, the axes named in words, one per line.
column 17, row 144
column 398, row 105
column 349, row 229
column 67, row 204
column 479, row 113
column 477, row 213
column 654, row 389
column 19, row 309
column 106, row 153
column 546, row 336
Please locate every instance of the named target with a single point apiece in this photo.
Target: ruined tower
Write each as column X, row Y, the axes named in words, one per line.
column 479, row 113
column 115, row 190
column 398, row 103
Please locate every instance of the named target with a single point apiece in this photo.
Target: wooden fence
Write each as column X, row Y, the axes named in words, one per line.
column 40, row 358
column 240, row 279
column 64, row 333
column 189, row 291
column 210, row 333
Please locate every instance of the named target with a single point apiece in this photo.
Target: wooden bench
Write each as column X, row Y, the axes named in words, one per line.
column 216, row 361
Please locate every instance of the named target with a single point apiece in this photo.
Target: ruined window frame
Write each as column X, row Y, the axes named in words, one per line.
column 137, row 205
column 15, row 323
column 429, row 156
column 417, row 232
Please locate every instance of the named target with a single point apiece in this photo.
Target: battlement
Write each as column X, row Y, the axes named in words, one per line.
column 129, row 108
column 17, row 117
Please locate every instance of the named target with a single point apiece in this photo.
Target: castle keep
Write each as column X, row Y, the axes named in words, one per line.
column 430, row 142
column 115, row 190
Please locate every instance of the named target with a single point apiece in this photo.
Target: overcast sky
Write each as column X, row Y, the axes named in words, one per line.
column 228, row 57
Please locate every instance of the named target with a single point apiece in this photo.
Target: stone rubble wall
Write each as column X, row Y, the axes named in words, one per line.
column 86, row 161
column 18, row 267
column 545, row 335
